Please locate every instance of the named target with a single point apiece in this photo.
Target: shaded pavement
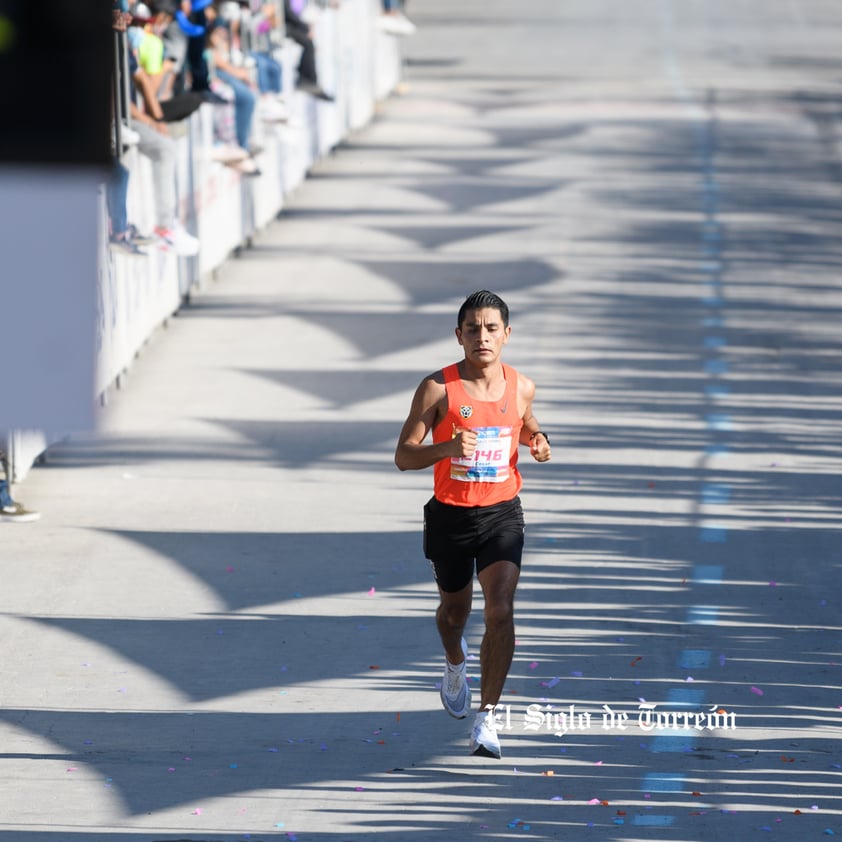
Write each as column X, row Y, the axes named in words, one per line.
column 221, row 629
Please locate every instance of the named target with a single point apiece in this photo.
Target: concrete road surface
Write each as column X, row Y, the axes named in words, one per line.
column 221, row 629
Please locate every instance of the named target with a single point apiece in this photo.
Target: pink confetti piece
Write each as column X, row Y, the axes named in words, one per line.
column 533, row 665
column 359, row 789
column 73, row 769
column 197, row 811
column 773, row 584
column 551, row 683
column 598, row 763
column 371, row 591
column 594, row 801
column 757, row 691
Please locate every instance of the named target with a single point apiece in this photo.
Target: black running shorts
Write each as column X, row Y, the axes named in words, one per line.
column 457, row 536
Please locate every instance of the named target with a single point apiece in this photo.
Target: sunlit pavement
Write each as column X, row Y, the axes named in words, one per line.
column 221, row 629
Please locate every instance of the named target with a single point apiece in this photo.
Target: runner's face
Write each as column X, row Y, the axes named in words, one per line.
column 482, row 334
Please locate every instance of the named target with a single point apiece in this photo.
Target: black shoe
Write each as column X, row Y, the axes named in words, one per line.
column 214, row 99
column 314, row 89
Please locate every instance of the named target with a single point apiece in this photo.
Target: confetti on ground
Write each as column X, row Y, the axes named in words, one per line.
column 637, row 660
column 557, row 798
column 722, row 660
column 757, row 691
column 551, row 683
column 577, row 673
column 72, row 769
column 548, row 772
column 197, row 811
column 359, row 789
column 374, row 667
column 371, row 591
column 598, row 763
column 533, row 665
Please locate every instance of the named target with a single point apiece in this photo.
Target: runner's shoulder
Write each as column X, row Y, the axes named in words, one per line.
column 525, row 387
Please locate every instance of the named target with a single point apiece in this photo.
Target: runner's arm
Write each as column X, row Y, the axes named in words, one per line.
column 411, row 453
column 530, row 433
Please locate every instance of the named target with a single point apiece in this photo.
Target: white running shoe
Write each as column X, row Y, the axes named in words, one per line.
column 229, row 154
column 177, row 239
column 397, row 24
column 273, row 111
column 484, row 739
column 455, row 693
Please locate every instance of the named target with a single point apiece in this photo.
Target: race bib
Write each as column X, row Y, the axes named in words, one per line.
column 490, row 462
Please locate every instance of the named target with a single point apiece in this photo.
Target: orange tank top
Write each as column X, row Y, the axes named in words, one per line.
column 489, row 476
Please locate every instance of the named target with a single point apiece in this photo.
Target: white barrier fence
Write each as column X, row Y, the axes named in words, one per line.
column 357, row 63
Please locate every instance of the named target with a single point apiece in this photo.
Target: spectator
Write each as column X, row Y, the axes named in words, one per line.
column 124, row 238
column 269, row 73
column 299, row 31
column 394, row 21
column 157, row 144
column 238, row 81
column 10, row 511
column 161, row 49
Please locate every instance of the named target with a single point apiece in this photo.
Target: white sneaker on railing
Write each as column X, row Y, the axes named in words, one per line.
column 229, row 154
column 177, row 239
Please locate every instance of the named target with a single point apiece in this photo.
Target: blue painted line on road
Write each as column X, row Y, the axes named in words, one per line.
column 717, row 390
column 713, row 534
column 712, row 301
column 713, row 321
column 716, row 367
column 716, row 493
column 719, row 421
column 676, row 740
column 650, row 820
column 703, row 615
column 695, row 659
column 708, row 574
column 670, row 741
column 715, row 342
column 663, row 782
column 685, row 697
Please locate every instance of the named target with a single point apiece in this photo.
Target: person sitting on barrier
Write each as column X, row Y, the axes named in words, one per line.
column 157, row 144
column 161, row 50
column 393, row 20
column 239, row 82
column 10, row 511
column 263, row 23
column 123, row 237
column 299, row 31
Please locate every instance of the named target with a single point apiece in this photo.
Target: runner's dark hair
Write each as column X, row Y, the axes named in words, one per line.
column 480, row 300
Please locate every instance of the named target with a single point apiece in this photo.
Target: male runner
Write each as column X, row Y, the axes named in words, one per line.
column 479, row 411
